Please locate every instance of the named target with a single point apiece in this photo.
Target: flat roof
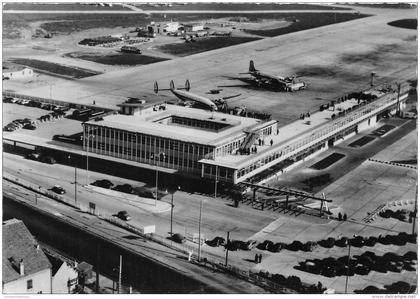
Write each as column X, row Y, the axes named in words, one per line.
column 148, row 123
column 287, row 134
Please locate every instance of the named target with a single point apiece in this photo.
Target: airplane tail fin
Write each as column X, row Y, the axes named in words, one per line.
column 251, row 66
column 172, row 85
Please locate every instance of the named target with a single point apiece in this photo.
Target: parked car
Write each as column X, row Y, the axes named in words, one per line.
column 216, row 242
column 123, row 215
column 7, row 99
column 29, row 127
column 178, row 238
column 265, row 245
column 47, row 159
column 126, row 188
column 58, row 189
column 249, row 245
column 33, row 156
column 103, row 184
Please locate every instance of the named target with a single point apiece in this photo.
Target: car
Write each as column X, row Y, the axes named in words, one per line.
column 58, row 189
column 126, row 188
column 249, row 245
column 8, row 129
column 178, row 238
column 29, row 127
column 123, row 215
column 25, row 102
column 265, row 245
column 7, row 99
column 14, row 100
column 33, row 156
column 216, row 242
column 47, row 159
column 103, row 184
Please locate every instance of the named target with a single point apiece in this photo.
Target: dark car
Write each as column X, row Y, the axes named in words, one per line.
column 58, row 189
column 249, row 245
column 29, row 127
column 103, row 184
column 32, row 156
column 265, row 245
column 217, row 241
column 126, row 188
column 47, row 159
column 123, row 215
column 178, row 238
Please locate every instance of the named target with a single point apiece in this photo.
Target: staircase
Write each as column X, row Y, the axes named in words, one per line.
column 249, row 140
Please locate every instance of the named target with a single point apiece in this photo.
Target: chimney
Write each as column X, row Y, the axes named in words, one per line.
column 21, row 268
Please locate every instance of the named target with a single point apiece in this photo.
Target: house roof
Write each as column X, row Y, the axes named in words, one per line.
column 55, row 262
column 19, row 244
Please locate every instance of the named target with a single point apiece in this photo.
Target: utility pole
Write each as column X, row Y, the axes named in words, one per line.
column 199, row 232
column 415, row 213
column 119, row 275
column 172, row 210
column 348, row 267
column 215, row 184
column 75, row 184
column 227, row 249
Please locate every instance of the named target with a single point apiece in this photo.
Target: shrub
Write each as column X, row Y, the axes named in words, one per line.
column 391, row 257
column 366, row 261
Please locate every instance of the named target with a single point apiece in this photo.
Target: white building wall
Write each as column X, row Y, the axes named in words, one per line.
column 41, row 282
column 61, row 278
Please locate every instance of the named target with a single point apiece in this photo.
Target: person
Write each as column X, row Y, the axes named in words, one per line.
column 94, row 103
column 271, row 142
column 340, row 216
column 259, row 258
column 256, row 258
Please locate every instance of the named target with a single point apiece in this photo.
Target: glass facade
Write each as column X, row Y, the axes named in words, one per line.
column 145, row 148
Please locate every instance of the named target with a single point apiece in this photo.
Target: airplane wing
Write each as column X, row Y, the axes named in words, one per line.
column 230, row 97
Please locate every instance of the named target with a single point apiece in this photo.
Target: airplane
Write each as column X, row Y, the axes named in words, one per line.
column 282, row 83
column 185, row 95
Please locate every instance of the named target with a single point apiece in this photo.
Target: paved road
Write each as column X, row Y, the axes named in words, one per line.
column 139, row 11
column 151, row 250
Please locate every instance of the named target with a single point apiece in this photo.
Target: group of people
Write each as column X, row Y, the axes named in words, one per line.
column 303, row 115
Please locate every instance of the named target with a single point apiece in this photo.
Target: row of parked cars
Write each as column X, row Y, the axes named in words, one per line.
column 125, row 188
column 41, row 158
column 32, row 103
column 232, row 245
column 25, row 123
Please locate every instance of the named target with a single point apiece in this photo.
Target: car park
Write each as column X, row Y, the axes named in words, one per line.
column 123, row 215
column 58, row 189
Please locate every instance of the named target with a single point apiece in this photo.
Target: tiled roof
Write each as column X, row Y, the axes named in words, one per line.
column 19, row 244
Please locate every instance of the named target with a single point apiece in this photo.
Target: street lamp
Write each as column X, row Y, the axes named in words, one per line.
column 172, row 207
column 348, row 263
column 75, row 180
column 157, row 158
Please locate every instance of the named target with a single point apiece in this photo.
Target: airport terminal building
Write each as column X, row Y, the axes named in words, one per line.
column 231, row 148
